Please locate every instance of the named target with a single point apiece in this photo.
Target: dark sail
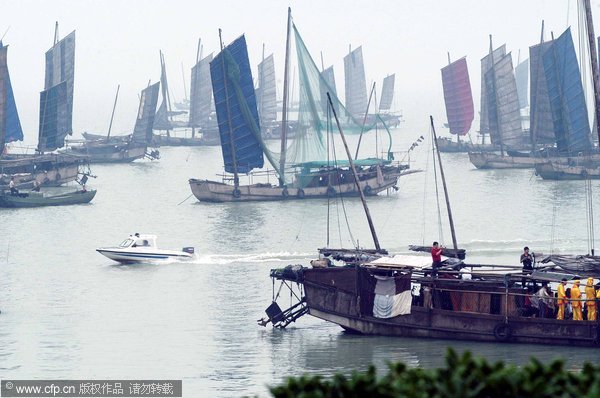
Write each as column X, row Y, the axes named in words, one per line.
column 541, row 125
column 54, row 119
column 144, row 122
column 201, row 94
column 10, row 125
column 458, row 96
column 567, row 99
column 266, row 93
column 504, row 115
column 356, row 83
column 387, row 93
column 162, row 121
column 522, row 78
column 235, row 103
column 486, row 65
column 56, row 102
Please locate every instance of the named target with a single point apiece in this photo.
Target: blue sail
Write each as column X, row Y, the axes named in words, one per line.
column 54, row 120
column 60, row 67
column 144, row 122
column 10, row 125
column 567, row 99
column 235, row 103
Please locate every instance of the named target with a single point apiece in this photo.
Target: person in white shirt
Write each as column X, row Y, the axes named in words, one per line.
column 13, row 188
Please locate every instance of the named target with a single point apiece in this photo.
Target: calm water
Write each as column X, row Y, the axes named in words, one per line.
column 67, row 312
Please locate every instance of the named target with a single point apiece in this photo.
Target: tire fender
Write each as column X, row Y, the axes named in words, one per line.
column 502, row 332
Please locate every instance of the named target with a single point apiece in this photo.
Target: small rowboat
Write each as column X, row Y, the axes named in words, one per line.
column 38, row 199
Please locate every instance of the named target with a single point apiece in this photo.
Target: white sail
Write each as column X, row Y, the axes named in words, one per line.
column 266, row 93
column 387, row 93
column 356, row 84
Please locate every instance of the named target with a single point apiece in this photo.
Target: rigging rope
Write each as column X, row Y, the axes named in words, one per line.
column 437, row 194
column 425, row 193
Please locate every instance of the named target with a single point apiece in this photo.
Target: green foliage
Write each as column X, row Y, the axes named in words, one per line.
column 462, row 377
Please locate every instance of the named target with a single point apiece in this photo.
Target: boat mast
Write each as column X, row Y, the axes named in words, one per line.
column 362, row 129
column 285, row 102
column 532, row 131
column 55, row 34
column 236, row 179
column 198, row 56
column 184, row 86
column 450, row 219
column 594, row 59
column 457, row 135
column 499, row 132
column 356, row 179
column 113, row 113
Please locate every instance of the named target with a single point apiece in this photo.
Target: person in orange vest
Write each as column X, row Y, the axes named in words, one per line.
column 562, row 299
column 575, row 301
column 590, row 295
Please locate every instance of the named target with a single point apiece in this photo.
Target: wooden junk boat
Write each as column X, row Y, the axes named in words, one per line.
column 453, row 304
column 377, row 294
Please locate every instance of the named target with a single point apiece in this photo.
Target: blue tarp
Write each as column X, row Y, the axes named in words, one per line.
column 235, row 103
column 54, row 117
column 567, row 100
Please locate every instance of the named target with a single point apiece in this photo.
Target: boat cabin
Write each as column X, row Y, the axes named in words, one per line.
column 138, row 240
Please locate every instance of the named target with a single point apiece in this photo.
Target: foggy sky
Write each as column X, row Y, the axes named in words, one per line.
column 118, row 42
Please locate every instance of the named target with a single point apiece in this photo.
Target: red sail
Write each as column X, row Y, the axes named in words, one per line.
column 458, row 96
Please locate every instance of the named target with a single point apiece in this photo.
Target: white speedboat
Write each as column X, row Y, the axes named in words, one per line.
column 141, row 249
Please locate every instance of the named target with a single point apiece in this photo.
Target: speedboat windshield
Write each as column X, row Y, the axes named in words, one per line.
column 126, row 243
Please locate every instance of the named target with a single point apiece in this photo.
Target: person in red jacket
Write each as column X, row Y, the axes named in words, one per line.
column 436, row 255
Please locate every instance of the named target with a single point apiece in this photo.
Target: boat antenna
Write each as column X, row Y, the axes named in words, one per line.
column 285, row 101
column 450, row 219
column 362, row 129
column 449, row 62
column 356, row 179
column 113, row 113
column 236, row 179
column 322, row 63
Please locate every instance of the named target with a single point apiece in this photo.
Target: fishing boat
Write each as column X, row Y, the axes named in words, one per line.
column 303, row 169
column 56, row 108
column 404, row 296
column 500, row 113
column 458, row 99
column 202, row 114
column 40, row 199
column 123, row 149
column 139, row 248
column 559, row 120
column 584, row 163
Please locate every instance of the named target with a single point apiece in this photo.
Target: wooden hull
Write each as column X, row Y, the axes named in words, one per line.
column 341, row 308
column 211, row 191
column 47, row 170
column 446, row 145
column 164, row 140
column 483, row 160
column 38, row 200
column 111, row 153
column 556, row 171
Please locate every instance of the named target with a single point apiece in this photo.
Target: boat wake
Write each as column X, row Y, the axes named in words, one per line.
column 223, row 259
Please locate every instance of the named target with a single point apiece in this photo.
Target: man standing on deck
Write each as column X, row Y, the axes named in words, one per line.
column 562, row 299
column 12, row 186
column 527, row 261
column 436, row 255
column 590, row 295
column 575, row 301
